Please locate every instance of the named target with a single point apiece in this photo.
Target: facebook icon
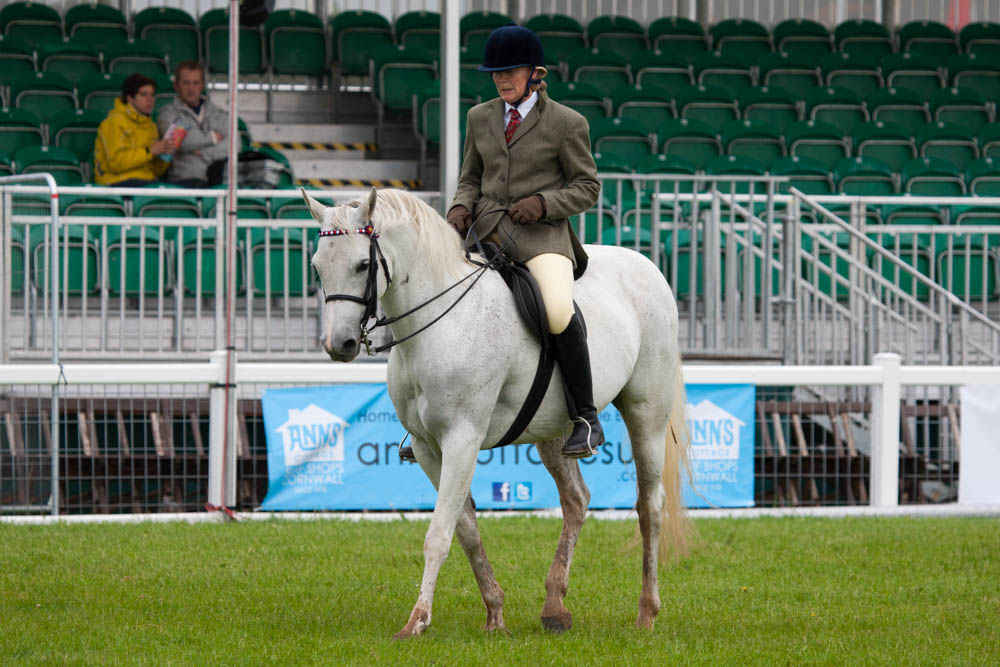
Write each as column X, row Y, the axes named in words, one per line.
column 501, row 491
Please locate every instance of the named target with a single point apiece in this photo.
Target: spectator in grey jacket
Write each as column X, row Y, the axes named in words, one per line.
column 208, row 127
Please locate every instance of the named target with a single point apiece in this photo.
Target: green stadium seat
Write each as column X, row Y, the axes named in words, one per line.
column 214, row 28
column 741, row 38
column 6, row 165
column 756, row 140
column 42, row 94
column 649, row 105
column 93, row 205
column 164, row 93
column 971, row 271
column 842, row 108
column 981, row 39
column 736, row 165
column 624, row 136
column 818, row 141
column 961, row 106
column 865, row 176
column 708, row 104
column 665, row 70
column 136, row 57
column 806, row 175
column 854, row 73
column 474, row 29
column 803, row 39
column 608, row 162
column 561, row 35
column 398, row 72
column 929, row 39
column 863, row 38
column 693, row 140
column 83, row 246
column 932, row 177
column 296, row 43
column 356, row 35
column 199, row 245
column 99, row 91
column 638, row 212
column 679, row 35
column 976, row 73
column 76, row 130
column 724, row 71
column 982, row 177
column 666, row 164
column 917, row 73
column 62, row 163
column 468, row 70
column 427, row 116
column 19, row 128
column 138, row 261
column 605, row 70
column 948, row 141
column 887, row 142
column 582, row 97
column 914, row 250
column 901, row 107
column 18, row 255
column 798, row 76
column 989, row 141
column 78, row 260
column 419, row 29
column 617, row 33
column 73, row 59
column 16, row 57
column 31, row 22
column 173, row 30
column 770, row 105
column 278, row 255
column 95, row 24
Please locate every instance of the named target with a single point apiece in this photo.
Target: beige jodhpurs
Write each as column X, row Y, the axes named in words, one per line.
column 554, row 275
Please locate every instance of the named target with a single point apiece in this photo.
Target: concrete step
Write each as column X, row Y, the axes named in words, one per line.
column 346, row 169
column 314, row 133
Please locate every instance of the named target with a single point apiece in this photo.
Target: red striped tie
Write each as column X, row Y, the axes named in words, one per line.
column 515, row 120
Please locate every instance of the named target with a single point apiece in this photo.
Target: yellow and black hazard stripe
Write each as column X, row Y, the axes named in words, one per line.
column 315, row 146
column 401, row 183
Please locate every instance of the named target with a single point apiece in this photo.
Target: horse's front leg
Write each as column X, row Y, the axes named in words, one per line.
column 574, row 498
column 453, row 474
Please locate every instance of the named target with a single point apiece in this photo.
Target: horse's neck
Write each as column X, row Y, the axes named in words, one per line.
column 412, row 285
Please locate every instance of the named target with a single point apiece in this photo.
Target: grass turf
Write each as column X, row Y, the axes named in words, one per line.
column 763, row 591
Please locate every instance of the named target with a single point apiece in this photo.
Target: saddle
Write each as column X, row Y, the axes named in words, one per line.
column 531, row 309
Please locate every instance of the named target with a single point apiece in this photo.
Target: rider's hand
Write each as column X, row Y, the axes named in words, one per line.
column 528, row 210
column 458, row 217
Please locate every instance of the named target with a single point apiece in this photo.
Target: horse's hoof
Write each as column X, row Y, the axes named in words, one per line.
column 557, row 624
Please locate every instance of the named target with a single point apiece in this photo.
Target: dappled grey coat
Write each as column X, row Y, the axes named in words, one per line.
column 549, row 154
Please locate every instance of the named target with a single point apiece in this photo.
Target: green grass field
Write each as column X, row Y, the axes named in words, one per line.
column 762, row 591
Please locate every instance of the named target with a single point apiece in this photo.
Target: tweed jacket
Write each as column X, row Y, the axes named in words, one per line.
column 549, row 154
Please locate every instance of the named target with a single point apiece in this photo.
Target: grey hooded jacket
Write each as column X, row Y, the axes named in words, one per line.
column 197, row 151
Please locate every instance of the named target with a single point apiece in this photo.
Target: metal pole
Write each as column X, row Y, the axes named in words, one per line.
column 450, row 121
column 54, row 290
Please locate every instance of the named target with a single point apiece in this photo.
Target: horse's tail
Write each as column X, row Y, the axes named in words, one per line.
column 675, row 528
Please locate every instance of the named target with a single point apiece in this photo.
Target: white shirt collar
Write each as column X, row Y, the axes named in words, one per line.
column 523, row 108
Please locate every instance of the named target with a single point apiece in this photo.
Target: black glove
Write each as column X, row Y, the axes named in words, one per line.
column 530, row 209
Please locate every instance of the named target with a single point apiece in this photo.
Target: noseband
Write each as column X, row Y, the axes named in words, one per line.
column 370, row 298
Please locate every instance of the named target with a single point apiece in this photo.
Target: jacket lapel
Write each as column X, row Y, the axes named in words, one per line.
column 496, row 122
column 529, row 122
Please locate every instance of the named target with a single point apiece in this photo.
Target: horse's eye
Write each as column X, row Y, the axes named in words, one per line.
column 362, row 266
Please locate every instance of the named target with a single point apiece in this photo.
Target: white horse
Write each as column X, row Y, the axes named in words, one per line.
column 458, row 385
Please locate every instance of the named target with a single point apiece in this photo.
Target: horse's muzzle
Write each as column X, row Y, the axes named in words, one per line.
column 345, row 349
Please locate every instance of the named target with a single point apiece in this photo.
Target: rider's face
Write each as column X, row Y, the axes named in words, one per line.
column 510, row 83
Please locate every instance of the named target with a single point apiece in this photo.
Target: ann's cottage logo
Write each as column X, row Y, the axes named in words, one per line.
column 312, row 435
column 715, row 433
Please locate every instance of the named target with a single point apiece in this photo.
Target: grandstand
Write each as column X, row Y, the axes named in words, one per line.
column 817, row 188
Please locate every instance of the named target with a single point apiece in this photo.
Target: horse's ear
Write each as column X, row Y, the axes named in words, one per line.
column 368, row 208
column 315, row 208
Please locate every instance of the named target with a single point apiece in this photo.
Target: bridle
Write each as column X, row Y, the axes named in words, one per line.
column 370, row 298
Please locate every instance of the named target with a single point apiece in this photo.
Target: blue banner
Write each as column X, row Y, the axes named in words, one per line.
column 335, row 448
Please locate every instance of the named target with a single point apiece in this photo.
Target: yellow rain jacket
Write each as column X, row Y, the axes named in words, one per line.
column 121, row 149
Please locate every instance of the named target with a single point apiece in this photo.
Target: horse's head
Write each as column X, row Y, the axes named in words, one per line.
column 343, row 260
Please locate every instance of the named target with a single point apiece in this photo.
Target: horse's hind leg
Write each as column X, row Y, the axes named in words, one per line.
column 472, row 543
column 647, row 430
column 574, row 498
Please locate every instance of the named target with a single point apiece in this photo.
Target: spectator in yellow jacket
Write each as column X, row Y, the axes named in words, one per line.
column 128, row 146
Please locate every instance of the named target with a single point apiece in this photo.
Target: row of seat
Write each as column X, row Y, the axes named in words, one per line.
column 145, row 259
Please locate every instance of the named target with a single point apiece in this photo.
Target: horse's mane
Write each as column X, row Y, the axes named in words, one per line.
column 438, row 246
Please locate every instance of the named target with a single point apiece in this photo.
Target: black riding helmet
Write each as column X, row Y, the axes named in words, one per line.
column 512, row 46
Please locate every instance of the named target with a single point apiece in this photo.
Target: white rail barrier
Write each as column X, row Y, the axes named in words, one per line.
column 885, row 375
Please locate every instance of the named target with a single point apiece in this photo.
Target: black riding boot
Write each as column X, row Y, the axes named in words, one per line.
column 574, row 362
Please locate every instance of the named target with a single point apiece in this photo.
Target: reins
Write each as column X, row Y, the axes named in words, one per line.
column 370, row 297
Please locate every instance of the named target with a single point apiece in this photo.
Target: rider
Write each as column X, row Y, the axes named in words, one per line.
column 530, row 156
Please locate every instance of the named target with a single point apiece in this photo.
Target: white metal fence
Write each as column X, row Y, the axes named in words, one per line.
column 153, row 437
